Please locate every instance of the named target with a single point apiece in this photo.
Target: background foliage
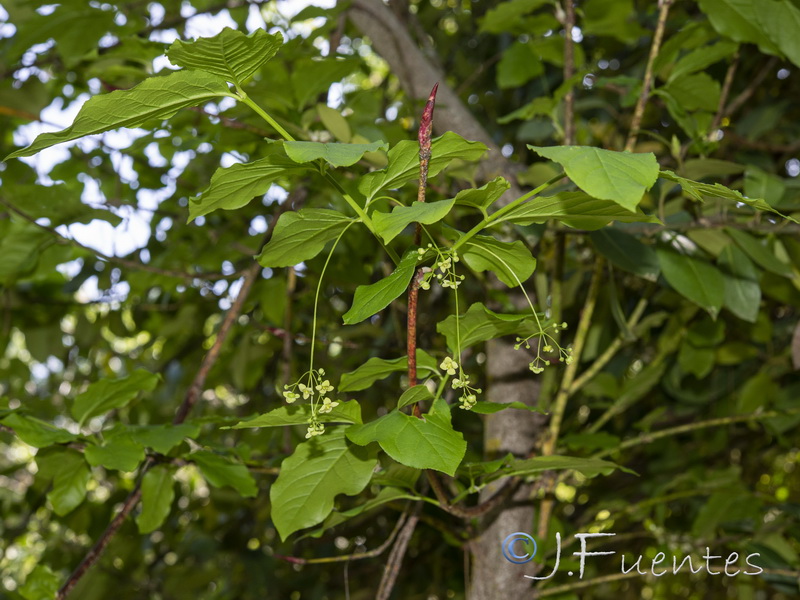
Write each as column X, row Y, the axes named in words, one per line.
column 693, row 331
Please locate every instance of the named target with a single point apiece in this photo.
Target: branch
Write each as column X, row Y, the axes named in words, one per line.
column 726, row 90
column 183, row 411
column 647, row 438
column 123, row 262
column 392, row 568
column 638, row 113
column 569, row 71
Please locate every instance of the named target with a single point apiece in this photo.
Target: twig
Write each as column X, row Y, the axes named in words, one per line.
column 726, row 90
column 569, row 71
column 131, row 264
column 471, row 512
column 183, row 411
column 638, row 112
column 392, row 568
column 568, row 587
column 347, row 558
column 602, row 360
column 563, row 394
column 647, row 438
column 754, row 85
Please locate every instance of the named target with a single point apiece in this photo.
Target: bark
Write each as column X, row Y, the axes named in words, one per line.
column 492, row 576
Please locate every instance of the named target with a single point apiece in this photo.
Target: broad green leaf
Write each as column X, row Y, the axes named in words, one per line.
column 484, row 196
column 219, row 471
column 512, row 262
column 120, row 453
column 627, row 252
column 404, row 162
column 427, row 443
column 235, row 186
column 697, row 91
column 621, row 177
column 390, row 225
column 154, row 98
column 373, row 298
column 518, row 65
column 35, row 432
column 693, row 278
column 757, row 251
column 299, row 414
column 387, row 494
column 338, row 155
column 418, row 393
column 301, row 235
column 742, row 290
column 335, row 123
column 698, row 191
column 697, row 361
column 21, row 246
column 489, row 408
column 107, row 394
column 69, row 483
column 575, row 209
column 311, row 77
column 158, row 492
column 736, row 19
column 700, row 58
column 479, row 324
column 311, row 478
column 380, row 368
column 780, row 21
column 41, row 584
column 163, row 438
column 498, row 17
column 590, row 467
column 760, row 184
column 230, row 54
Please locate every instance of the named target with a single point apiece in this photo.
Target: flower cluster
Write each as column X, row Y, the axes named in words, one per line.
column 469, row 395
column 313, row 386
column 445, row 264
column 546, row 344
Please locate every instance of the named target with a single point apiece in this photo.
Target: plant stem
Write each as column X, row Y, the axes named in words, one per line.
column 486, row 222
column 638, row 112
column 569, row 71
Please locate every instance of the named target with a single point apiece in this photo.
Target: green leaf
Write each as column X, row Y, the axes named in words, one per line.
column 489, row 408
column 418, row 393
column 390, row 225
column 334, row 122
column 299, row 414
column 35, row 432
column 219, row 471
column 154, row 98
column 697, row 91
column 498, row 17
column 621, row 177
column 736, row 19
column 120, row 453
column 484, row 196
column 627, row 252
column 760, row 184
column 380, row 368
column 310, row 479
column 698, row 191
column 388, row 494
column 693, row 278
column 301, row 235
column 590, row 467
column 373, row 298
column 780, row 21
column 510, row 261
column 760, row 254
column 163, row 438
column 69, row 483
column 575, row 209
column 427, row 443
column 235, row 186
column 404, row 162
column 41, row 584
column 700, row 58
column 338, row 155
column 479, row 324
column 230, row 54
column 742, row 290
column 518, row 65
column 108, row 394
column 158, row 492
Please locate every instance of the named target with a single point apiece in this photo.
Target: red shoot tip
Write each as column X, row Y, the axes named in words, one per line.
column 426, row 124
